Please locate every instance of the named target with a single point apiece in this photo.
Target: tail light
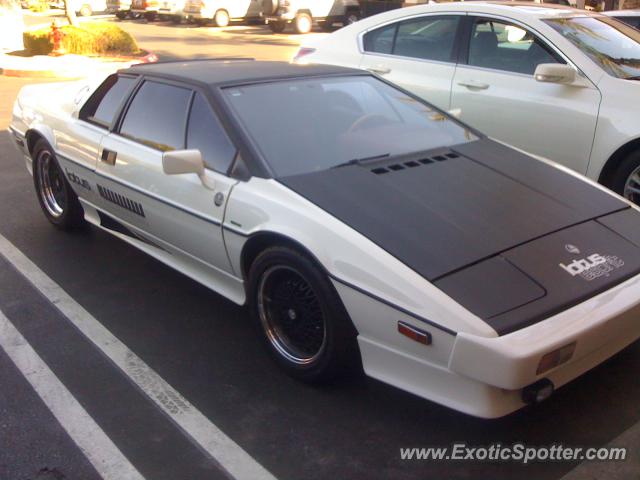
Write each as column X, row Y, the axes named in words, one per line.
column 302, row 52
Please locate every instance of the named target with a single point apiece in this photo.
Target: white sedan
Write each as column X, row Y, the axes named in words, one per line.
column 556, row 82
column 362, row 227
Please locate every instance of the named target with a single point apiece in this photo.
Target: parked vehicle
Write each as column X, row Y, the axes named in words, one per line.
column 11, row 25
column 145, row 8
column 84, row 8
column 221, row 12
column 119, row 8
column 630, row 17
column 303, row 13
column 553, row 81
column 378, row 231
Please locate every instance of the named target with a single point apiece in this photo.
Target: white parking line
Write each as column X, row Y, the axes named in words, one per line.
column 231, row 457
column 110, row 463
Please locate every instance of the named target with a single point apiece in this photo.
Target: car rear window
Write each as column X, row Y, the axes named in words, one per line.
column 103, row 105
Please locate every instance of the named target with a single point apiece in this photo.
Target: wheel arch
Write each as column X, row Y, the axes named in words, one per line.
column 612, row 164
column 37, row 133
column 260, row 241
column 304, row 10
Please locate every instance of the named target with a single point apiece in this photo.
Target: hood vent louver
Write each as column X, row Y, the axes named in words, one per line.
column 394, row 167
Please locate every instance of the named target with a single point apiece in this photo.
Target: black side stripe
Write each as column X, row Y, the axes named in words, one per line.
column 121, row 200
column 146, row 194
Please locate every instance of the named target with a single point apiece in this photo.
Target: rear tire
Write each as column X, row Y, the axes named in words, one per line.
column 57, row 199
column 150, row 16
column 277, row 27
column 303, row 23
column 301, row 317
column 625, row 180
column 221, row 18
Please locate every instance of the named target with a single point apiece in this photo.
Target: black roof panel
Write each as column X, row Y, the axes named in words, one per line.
column 219, row 71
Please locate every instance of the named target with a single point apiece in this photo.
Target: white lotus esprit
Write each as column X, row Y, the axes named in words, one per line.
column 360, row 224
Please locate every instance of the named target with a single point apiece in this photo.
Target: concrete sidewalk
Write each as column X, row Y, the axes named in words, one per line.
column 65, row 66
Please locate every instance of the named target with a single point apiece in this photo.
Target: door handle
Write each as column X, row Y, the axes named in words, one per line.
column 471, row 85
column 108, row 156
column 380, row 70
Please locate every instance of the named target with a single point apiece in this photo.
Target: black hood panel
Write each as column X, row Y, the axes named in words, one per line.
column 569, row 266
column 440, row 211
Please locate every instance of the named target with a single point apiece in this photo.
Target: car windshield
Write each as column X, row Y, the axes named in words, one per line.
column 307, row 125
column 610, row 43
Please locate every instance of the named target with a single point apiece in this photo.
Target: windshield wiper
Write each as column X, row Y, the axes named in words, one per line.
column 359, row 161
column 637, row 77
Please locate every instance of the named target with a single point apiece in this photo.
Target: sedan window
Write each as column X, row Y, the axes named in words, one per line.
column 157, row 116
column 205, row 133
column 503, row 46
column 610, row 43
column 427, row 38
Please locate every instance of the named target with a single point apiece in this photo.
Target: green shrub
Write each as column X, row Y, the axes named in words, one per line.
column 87, row 38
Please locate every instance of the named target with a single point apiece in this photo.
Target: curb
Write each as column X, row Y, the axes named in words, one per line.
column 67, row 74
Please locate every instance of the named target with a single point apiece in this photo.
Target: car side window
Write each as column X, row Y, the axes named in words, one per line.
column 205, row 133
column 157, row 116
column 380, row 40
column 427, row 38
column 102, row 106
column 504, row 46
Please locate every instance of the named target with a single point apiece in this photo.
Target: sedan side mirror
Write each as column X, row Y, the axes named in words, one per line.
column 555, row 73
column 178, row 162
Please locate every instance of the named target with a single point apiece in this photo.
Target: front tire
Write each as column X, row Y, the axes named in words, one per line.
column 56, row 197
column 625, row 180
column 221, row 18
column 121, row 15
column 303, row 23
column 301, row 317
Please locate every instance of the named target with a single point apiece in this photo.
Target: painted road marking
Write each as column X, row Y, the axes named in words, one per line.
column 229, row 455
column 109, row 462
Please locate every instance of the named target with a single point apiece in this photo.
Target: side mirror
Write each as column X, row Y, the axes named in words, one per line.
column 178, row 162
column 555, row 73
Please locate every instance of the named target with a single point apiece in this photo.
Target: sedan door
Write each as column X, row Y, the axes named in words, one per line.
column 497, row 93
column 173, row 212
column 418, row 54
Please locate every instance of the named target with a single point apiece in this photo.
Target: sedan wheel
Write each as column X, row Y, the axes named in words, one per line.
column 625, row 179
column 632, row 187
column 300, row 316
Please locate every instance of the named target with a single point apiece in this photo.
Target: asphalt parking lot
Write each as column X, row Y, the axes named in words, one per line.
column 101, row 317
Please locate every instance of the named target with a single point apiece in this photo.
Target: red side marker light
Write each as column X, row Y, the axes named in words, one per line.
column 414, row 333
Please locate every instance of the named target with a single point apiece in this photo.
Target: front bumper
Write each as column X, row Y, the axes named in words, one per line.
column 600, row 326
column 485, row 376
